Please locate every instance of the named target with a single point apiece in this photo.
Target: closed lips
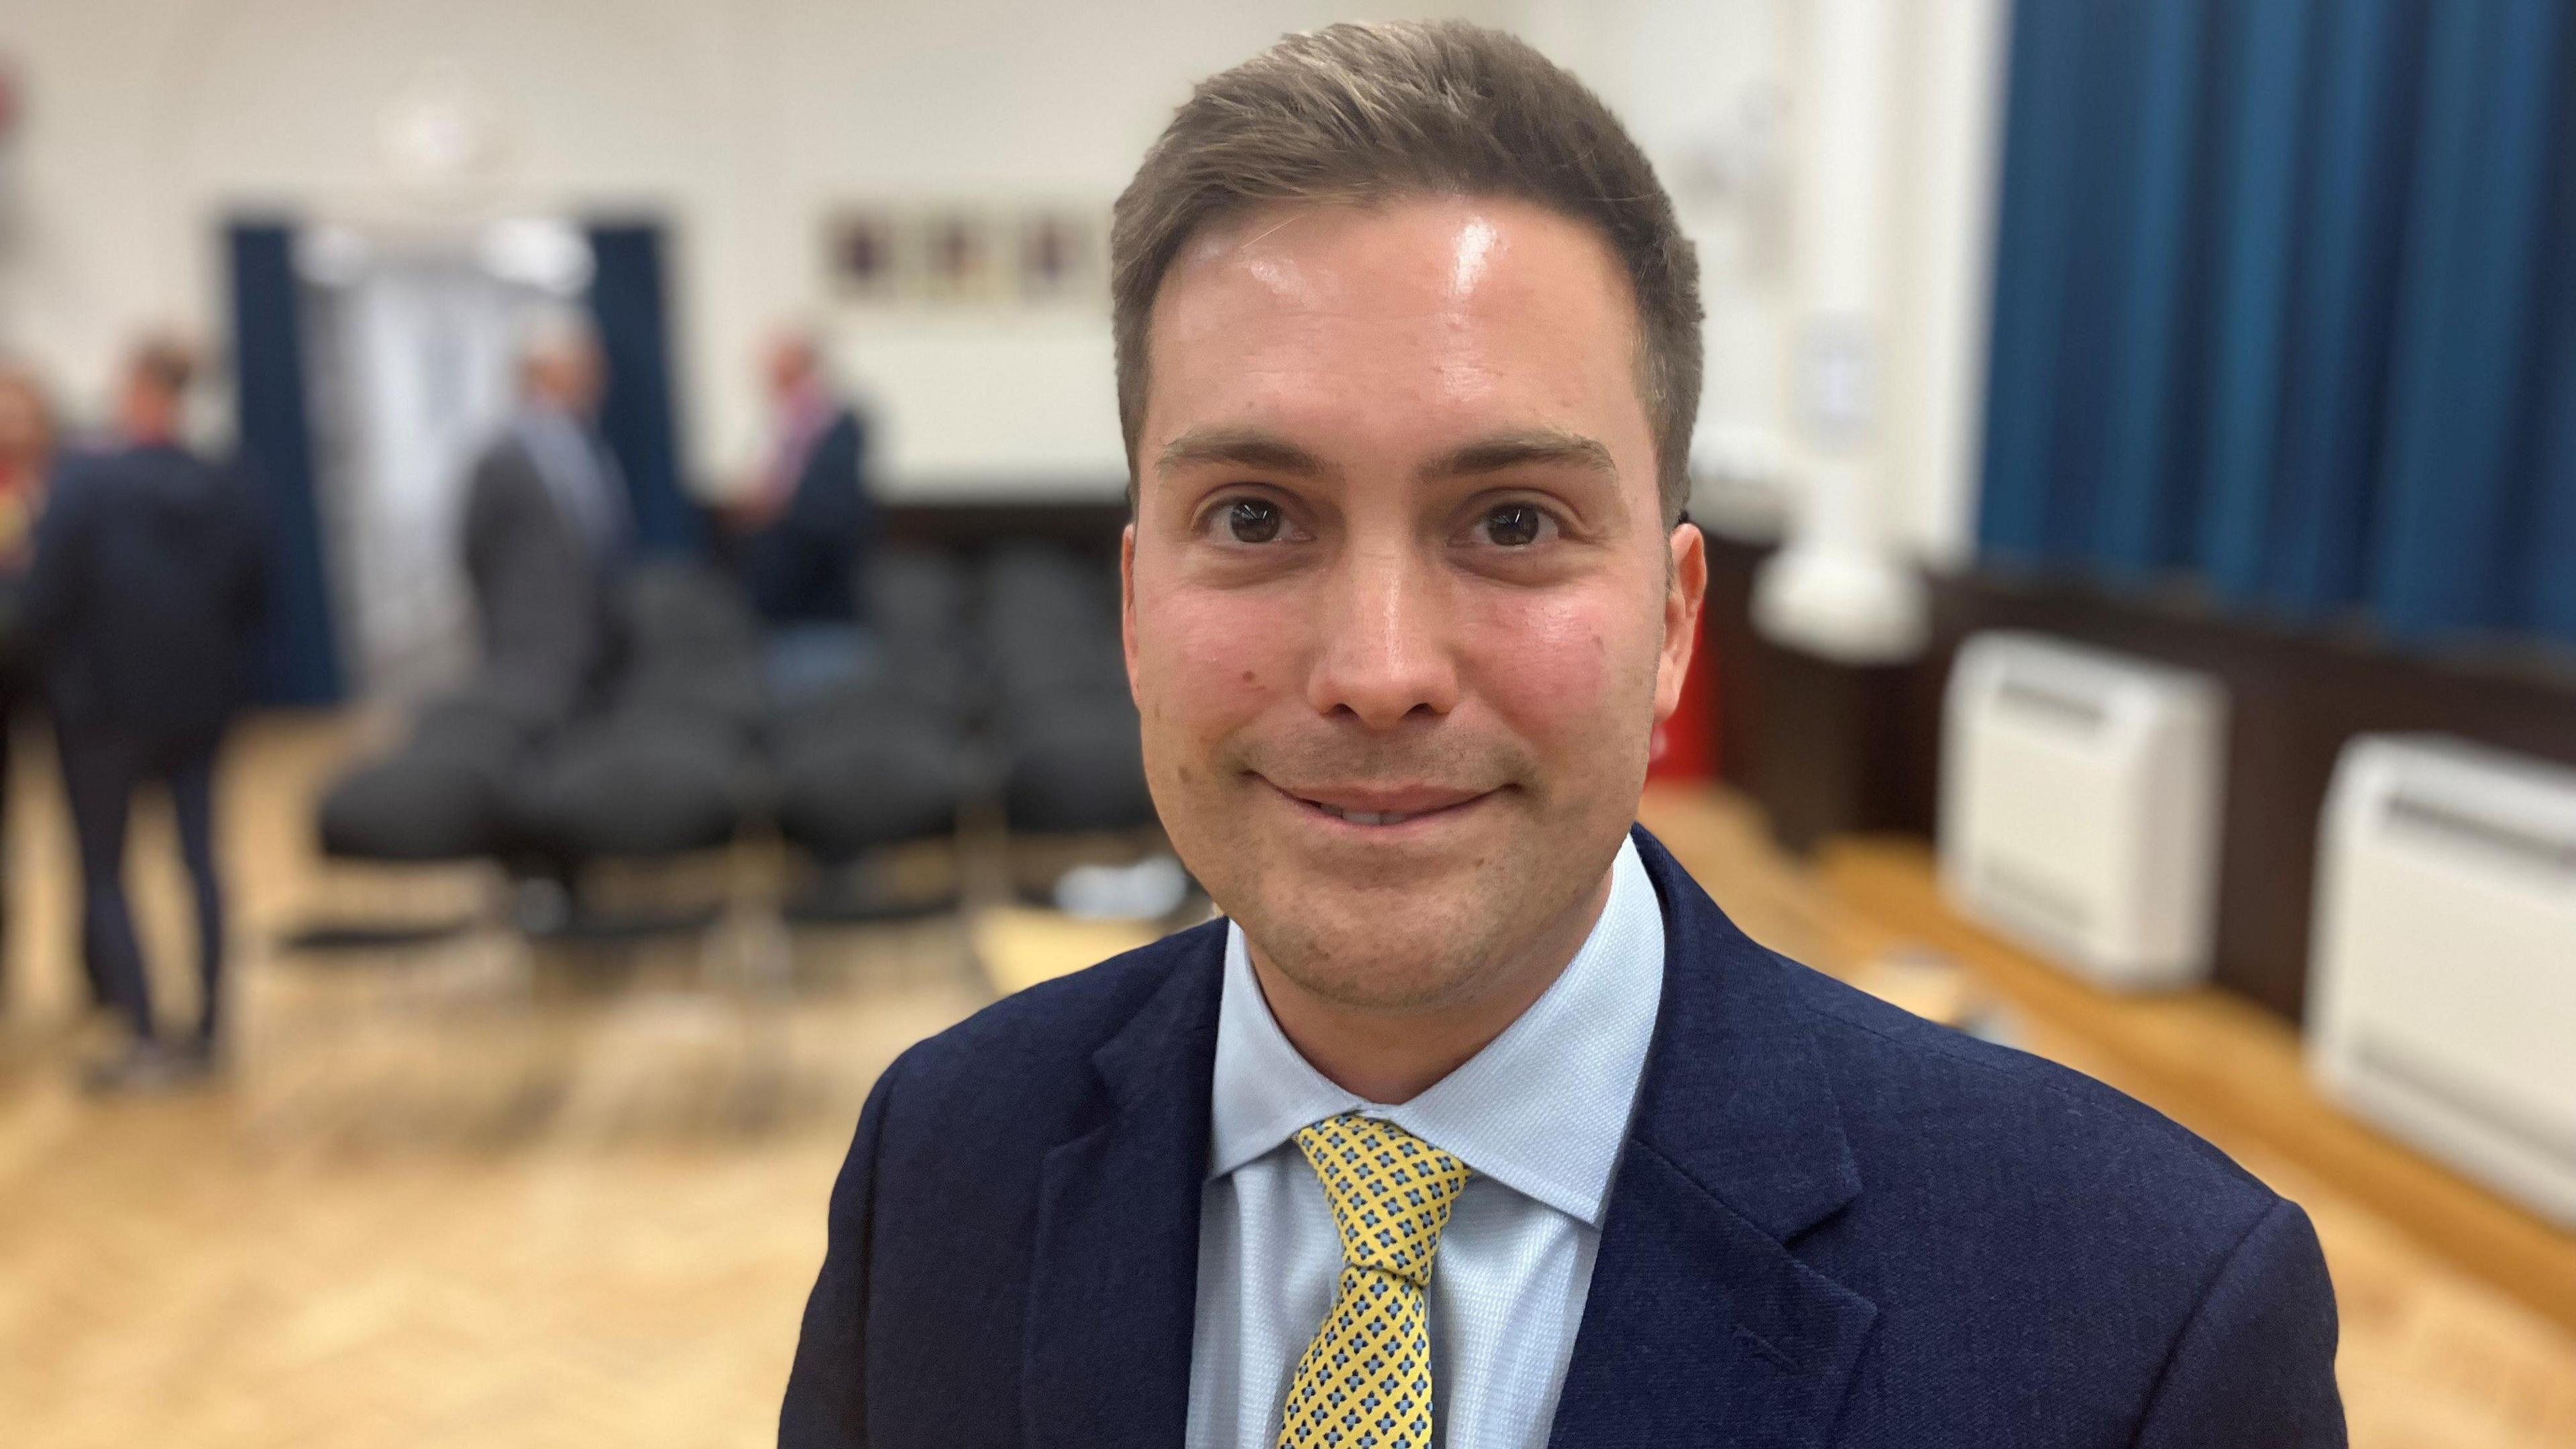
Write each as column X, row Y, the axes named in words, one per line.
column 1386, row 808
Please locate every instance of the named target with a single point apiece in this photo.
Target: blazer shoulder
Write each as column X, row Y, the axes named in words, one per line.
column 1912, row 1089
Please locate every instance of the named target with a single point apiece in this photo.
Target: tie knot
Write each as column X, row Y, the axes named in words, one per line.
column 1391, row 1192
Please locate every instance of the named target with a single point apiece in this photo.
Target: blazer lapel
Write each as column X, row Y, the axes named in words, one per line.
column 1702, row 1326
column 1114, row 1285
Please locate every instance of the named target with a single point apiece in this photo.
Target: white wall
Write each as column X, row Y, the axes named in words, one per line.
column 150, row 121
column 1721, row 94
column 745, row 121
column 1948, row 137
column 991, row 98
column 1705, row 87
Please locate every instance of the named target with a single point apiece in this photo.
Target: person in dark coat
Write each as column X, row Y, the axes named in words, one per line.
column 805, row 521
column 26, row 464
column 547, row 527
column 146, row 598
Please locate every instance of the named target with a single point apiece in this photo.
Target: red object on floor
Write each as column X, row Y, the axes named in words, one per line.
column 1685, row 746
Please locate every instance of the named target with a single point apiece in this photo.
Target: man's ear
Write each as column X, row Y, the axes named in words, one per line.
column 1685, row 589
column 1127, row 602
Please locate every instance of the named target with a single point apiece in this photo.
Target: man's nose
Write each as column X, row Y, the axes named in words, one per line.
column 1386, row 648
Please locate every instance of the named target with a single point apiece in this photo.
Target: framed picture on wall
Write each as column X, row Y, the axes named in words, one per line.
column 963, row 256
column 971, row 254
column 862, row 256
column 1062, row 253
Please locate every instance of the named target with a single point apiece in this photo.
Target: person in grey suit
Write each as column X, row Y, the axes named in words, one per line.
column 547, row 527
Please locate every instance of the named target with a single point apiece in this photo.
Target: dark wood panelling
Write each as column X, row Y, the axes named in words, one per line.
column 1727, row 633
column 972, row 525
column 1797, row 728
column 1825, row 748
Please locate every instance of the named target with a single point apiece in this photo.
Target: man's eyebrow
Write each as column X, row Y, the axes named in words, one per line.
column 1243, row 448
column 1516, row 450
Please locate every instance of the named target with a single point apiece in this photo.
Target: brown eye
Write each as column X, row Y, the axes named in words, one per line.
column 1513, row 525
column 1251, row 520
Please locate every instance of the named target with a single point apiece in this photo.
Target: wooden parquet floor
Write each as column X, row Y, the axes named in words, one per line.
column 427, row 1211
column 436, row 1208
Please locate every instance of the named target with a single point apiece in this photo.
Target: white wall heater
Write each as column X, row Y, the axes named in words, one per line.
column 2442, row 990
column 2079, row 805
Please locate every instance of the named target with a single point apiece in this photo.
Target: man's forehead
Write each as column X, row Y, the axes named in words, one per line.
column 1450, row 320
column 1440, row 247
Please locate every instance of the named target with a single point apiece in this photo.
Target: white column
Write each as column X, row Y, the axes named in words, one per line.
column 1840, row 588
column 1950, row 128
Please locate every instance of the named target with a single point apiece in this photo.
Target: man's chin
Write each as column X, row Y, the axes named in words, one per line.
column 1375, row 950
column 1367, row 972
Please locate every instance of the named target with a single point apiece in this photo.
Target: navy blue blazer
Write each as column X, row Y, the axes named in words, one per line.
column 1833, row 1224
column 147, row 594
column 804, row 566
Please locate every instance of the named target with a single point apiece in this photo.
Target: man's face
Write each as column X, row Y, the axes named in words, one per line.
column 571, row 376
column 789, row 365
column 147, row 410
column 1401, row 611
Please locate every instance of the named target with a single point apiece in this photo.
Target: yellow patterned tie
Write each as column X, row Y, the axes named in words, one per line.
column 1365, row 1382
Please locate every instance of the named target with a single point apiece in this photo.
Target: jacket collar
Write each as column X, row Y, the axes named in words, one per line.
column 1114, row 1283
column 1733, row 1095
column 1702, row 1326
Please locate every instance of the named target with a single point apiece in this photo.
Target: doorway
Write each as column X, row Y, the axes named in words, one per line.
column 411, row 341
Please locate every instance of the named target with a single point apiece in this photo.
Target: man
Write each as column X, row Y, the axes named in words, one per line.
column 547, row 526
column 805, row 517
column 26, row 465
column 145, row 599
column 1478, row 1124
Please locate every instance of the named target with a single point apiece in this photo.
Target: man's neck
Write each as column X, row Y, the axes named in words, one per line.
column 1389, row 1057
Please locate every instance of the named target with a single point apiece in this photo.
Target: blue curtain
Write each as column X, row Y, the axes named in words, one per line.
column 2285, row 303
column 627, row 302
column 301, row 664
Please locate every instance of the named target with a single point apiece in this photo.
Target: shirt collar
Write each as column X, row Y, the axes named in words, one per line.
column 1543, row 1109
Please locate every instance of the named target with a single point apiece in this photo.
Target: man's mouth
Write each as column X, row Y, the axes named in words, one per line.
column 1369, row 817
column 1383, row 806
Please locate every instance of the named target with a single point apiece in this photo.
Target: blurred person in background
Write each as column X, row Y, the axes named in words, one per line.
column 26, row 464
column 547, row 526
column 145, row 598
column 26, row 460
column 803, row 521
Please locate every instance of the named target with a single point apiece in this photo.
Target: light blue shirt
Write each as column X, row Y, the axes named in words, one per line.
column 1540, row 1114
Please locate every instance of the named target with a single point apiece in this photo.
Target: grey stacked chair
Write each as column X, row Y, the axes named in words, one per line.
column 444, row 796
column 883, row 760
column 1050, row 618
column 916, row 595
column 633, row 786
column 1076, row 766
column 919, row 604
column 1071, row 760
column 671, row 611
column 863, row 770
column 668, row 767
